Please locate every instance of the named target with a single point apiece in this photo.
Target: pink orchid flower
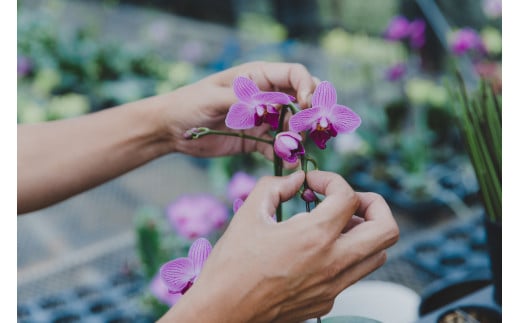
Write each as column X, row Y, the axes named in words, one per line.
column 398, row 28
column 465, row 40
column 197, row 215
column 159, row 289
column 237, row 204
column 325, row 118
column 254, row 106
column 416, row 31
column 240, row 185
column 180, row 274
column 288, row 146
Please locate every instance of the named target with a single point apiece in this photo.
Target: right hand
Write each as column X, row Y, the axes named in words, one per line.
column 263, row 271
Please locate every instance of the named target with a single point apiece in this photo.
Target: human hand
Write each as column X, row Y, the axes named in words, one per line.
column 263, row 271
column 206, row 103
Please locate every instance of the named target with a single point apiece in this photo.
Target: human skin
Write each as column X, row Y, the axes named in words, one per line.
column 263, row 271
column 260, row 270
column 59, row 159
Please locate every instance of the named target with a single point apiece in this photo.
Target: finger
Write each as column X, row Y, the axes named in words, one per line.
column 288, row 76
column 379, row 231
column 340, row 202
column 270, row 191
column 355, row 272
column 355, row 220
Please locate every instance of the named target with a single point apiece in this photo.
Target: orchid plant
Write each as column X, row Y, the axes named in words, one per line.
column 324, row 120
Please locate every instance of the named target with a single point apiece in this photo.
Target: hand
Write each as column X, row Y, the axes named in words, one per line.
column 205, row 104
column 264, row 271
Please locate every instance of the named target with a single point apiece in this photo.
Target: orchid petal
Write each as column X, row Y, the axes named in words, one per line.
column 304, row 120
column 344, row 119
column 177, row 274
column 324, row 95
column 240, row 116
column 244, row 88
column 199, row 252
column 271, row 98
column 237, row 204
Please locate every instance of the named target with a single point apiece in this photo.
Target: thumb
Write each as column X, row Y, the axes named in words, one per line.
column 270, row 191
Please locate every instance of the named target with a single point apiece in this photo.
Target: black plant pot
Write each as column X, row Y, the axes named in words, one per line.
column 494, row 242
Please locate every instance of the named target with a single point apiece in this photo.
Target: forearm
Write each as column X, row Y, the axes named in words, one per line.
column 59, row 159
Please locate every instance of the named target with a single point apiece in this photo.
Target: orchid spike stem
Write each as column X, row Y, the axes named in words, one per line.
column 294, row 108
column 197, row 133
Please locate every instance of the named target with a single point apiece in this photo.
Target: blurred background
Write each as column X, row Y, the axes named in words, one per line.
column 391, row 61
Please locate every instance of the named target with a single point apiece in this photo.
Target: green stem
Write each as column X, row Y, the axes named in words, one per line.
column 293, row 107
column 278, row 163
column 201, row 132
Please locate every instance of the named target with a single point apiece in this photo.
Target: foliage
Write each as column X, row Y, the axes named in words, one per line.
column 480, row 119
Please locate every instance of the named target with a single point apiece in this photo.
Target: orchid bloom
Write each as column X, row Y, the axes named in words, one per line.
column 398, row 28
column 160, row 291
column 465, row 40
column 240, row 185
column 288, row 146
column 254, row 106
column 325, row 118
column 395, row 72
column 197, row 215
column 180, row 274
column 237, row 204
column 416, row 31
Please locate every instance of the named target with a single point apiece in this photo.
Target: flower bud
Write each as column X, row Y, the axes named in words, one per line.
column 288, row 146
column 309, row 196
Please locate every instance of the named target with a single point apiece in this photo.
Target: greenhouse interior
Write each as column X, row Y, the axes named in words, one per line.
column 419, row 86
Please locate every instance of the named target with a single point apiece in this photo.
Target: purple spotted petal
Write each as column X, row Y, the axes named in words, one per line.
column 177, row 274
column 343, row 119
column 324, row 95
column 244, row 88
column 305, row 119
column 271, row 98
column 199, row 252
column 240, row 116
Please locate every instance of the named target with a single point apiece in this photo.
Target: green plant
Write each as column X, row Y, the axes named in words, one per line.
column 480, row 119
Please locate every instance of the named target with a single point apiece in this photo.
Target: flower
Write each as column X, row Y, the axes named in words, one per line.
column 288, row 146
column 492, row 8
column 180, row 274
column 308, row 195
column 416, row 32
column 194, row 216
column 395, row 72
column 237, row 204
column 325, row 118
column 398, row 28
column 159, row 289
column 24, row 66
column 465, row 40
column 240, row 185
column 254, row 107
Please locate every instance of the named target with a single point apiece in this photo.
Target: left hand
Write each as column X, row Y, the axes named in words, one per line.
column 206, row 103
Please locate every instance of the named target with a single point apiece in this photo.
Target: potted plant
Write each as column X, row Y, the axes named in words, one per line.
column 480, row 119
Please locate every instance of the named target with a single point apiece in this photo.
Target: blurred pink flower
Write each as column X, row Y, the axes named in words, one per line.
column 466, row 40
column 180, row 274
column 240, row 185
column 396, row 72
column 492, row 8
column 416, row 31
column 326, row 118
column 254, row 106
column 194, row 216
column 159, row 290
column 237, row 204
column 398, row 28
column 24, row 66
column 288, row 146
